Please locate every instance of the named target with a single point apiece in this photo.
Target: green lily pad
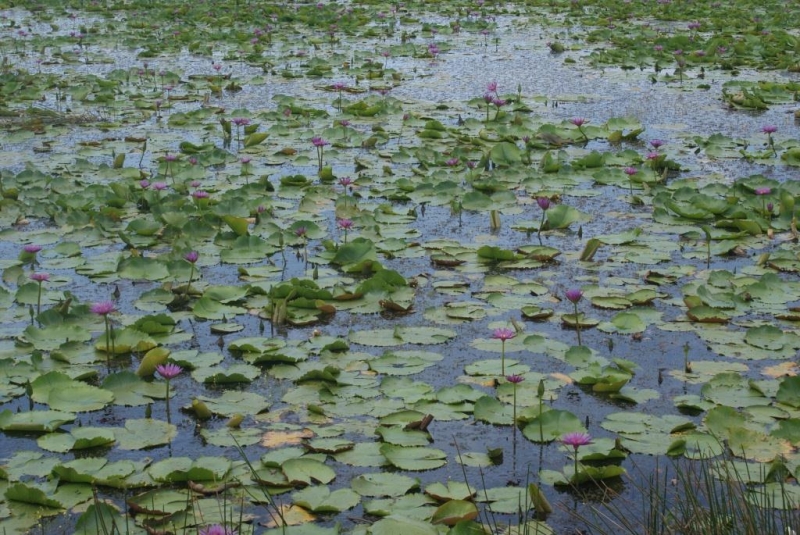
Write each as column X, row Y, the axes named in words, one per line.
column 413, row 458
column 401, row 336
column 320, row 499
column 553, row 424
column 454, row 511
column 146, row 433
column 64, row 394
column 384, row 484
column 302, row 471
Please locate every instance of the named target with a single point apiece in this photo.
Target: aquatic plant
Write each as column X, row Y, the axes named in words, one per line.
column 168, row 371
column 574, row 295
column 575, row 441
column 503, row 334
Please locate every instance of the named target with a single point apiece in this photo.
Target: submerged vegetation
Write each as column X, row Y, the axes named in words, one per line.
column 370, row 267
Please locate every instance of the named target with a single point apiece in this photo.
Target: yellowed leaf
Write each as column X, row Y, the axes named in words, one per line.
column 566, row 379
column 274, row 439
column 291, row 516
column 781, row 370
column 480, row 380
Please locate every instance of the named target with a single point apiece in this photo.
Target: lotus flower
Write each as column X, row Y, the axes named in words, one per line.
column 575, row 295
column 576, row 440
column 168, row 371
column 503, row 334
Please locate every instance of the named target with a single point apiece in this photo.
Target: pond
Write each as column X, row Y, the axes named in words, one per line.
column 367, row 267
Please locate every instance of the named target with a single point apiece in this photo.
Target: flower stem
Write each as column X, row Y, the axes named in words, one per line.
column 108, row 342
column 167, row 400
column 189, row 284
column 503, row 359
column 575, row 476
column 39, row 300
column 541, row 224
column 515, row 407
column 577, row 324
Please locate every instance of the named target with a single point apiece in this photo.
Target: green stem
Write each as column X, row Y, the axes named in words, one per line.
column 189, row 285
column 108, row 342
column 503, row 358
column 167, row 400
column 577, row 324
column 541, row 425
column 39, row 300
column 515, row 407
column 575, row 476
column 541, row 224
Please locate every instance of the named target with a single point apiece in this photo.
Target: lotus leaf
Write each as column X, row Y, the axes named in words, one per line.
column 320, row 499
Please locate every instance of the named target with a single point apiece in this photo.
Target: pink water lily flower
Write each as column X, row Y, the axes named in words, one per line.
column 103, row 308
column 504, row 333
column 169, row 371
column 576, row 440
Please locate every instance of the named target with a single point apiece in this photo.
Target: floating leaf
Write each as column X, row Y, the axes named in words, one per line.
column 454, row 511
column 554, row 424
column 321, row 499
column 383, row 484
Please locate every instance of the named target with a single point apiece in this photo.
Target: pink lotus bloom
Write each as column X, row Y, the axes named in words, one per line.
column 504, row 333
column 576, row 440
column 653, row 155
column 345, row 224
column 40, row 277
column 240, row 121
column 658, row 48
column 492, row 87
column 318, row 141
column 103, row 308
column 246, row 160
column 769, row 129
column 515, row 379
column 656, row 143
column 32, row 248
column 144, row 184
column 200, row 194
column 630, row 171
column 579, row 121
column 170, row 157
column 169, row 371
column 574, row 295
column 159, row 186
column 763, row 191
column 192, row 256
column 300, row 232
column 543, row 202
column 345, row 181
column 452, row 162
